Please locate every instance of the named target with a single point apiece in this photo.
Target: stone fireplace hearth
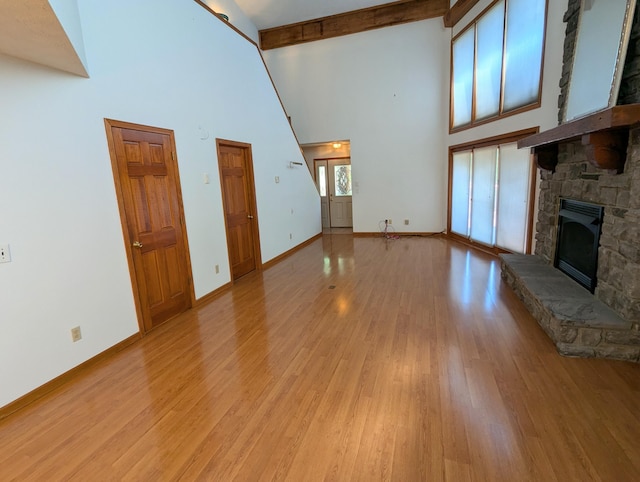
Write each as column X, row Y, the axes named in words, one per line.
column 595, row 160
column 576, row 321
column 607, row 323
column 618, row 270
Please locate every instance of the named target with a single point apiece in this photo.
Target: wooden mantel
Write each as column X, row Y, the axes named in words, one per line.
column 605, row 135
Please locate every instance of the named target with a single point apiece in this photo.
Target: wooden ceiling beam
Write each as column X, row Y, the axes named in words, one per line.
column 352, row 22
column 459, row 10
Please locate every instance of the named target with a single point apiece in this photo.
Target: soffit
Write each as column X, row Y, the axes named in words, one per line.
column 30, row 30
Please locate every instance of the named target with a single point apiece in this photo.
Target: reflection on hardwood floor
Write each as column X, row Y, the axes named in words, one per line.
column 353, row 359
column 337, row 230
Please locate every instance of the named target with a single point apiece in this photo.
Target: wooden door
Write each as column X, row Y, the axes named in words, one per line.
column 340, row 200
column 148, row 188
column 238, row 196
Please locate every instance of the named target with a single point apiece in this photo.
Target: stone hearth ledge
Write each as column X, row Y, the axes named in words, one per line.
column 576, row 321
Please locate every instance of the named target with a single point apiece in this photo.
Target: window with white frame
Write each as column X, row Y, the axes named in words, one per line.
column 497, row 62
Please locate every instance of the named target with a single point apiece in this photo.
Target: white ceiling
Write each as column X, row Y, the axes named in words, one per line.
column 275, row 13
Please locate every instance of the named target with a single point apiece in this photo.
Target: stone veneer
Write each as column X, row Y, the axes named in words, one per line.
column 618, row 272
column 619, row 253
column 578, row 323
column 630, row 84
column 575, row 178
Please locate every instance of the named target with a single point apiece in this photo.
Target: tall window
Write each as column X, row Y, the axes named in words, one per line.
column 497, row 62
column 491, row 195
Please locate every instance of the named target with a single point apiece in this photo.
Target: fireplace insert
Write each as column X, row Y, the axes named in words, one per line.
column 579, row 225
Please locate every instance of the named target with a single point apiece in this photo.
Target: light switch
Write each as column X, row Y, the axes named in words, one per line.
column 277, row 179
column 205, row 176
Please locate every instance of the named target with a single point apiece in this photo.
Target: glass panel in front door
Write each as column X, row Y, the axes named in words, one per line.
column 342, row 179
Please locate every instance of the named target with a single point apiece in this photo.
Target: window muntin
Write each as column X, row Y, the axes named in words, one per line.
column 490, row 194
column 507, row 72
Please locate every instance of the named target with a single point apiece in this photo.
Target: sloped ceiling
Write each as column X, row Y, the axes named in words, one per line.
column 31, row 30
column 274, row 13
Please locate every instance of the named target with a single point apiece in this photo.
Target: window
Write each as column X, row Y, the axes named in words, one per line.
column 342, row 178
column 322, row 181
column 497, row 62
column 490, row 196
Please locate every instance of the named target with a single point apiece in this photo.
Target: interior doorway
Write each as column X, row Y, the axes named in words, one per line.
column 333, row 178
column 330, row 165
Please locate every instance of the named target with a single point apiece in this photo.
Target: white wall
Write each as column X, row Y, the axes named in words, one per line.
column 324, row 151
column 386, row 91
column 168, row 64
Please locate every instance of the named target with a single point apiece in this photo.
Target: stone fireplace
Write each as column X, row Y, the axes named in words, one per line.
column 618, row 270
column 607, row 322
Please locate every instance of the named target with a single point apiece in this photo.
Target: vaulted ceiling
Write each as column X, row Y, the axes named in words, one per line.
column 48, row 32
column 289, row 22
column 275, row 13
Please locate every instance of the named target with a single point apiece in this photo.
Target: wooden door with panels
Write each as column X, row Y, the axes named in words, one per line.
column 239, row 201
column 150, row 200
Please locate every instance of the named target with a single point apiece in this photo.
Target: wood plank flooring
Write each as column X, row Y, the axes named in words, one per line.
column 353, row 359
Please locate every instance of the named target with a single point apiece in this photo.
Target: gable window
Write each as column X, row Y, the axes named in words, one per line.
column 497, row 63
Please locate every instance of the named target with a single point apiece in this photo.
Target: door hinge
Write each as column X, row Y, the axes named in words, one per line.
column 173, row 156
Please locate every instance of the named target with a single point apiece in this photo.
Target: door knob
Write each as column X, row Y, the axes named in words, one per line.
column 137, row 244
column 249, row 216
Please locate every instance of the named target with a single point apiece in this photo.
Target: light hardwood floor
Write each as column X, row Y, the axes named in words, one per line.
column 353, row 359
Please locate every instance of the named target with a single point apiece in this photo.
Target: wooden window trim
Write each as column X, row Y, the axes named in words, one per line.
column 457, row 11
column 506, row 138
column 501, row 114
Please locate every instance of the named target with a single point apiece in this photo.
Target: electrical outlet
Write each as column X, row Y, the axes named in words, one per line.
column 406, row 222
column 5, row 254
column 389, row 221
column 217, row 268
column 76, row 334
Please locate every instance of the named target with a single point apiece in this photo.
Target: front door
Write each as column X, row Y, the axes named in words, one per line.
column 340, row 204
column 238, row 196
column 148, row 189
